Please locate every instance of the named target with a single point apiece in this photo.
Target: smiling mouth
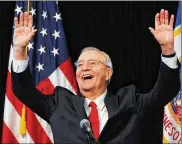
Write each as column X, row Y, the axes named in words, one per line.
column 87, row 77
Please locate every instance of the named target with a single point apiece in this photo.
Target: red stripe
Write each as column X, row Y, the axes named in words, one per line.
column 68, row 71
column 7, row 135
column 10, row 95
column 45, row 86
column 34, row 128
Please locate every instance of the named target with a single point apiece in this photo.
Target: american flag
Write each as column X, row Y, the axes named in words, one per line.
column 50, row 65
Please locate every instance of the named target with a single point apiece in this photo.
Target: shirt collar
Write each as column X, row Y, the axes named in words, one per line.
column 99, row 101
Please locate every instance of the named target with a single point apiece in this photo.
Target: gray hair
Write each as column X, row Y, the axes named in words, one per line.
column 108, row 61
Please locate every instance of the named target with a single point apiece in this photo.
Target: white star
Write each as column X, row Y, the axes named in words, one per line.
column 57, row 17
column 30, row 46
column 42, row 49
column 55, row 51
column 56, row 34
column 44, row 14
column 40, row 67
column 18, row 9
column 33, row 11
column 43, row 32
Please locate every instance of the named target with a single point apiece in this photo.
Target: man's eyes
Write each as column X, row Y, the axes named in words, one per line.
column 93, row 62
column 80, row 64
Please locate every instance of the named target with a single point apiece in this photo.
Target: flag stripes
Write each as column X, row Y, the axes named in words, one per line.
column 59, row 77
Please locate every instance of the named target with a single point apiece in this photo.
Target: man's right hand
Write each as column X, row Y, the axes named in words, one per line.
column 23, row 33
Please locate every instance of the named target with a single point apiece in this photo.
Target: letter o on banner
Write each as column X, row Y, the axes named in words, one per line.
column 176, row 135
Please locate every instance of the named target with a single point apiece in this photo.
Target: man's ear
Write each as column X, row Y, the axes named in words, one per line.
column 109, row 73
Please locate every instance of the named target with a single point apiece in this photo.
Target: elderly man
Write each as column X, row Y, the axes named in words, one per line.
column 114, row 118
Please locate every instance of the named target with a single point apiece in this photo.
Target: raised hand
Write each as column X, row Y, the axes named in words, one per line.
column 163, row 32
column 23, row 33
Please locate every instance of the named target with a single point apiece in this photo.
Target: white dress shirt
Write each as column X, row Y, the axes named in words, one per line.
column 21, row 65
column 101, row 107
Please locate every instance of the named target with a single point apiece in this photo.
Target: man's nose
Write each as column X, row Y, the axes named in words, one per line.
column 86, row 66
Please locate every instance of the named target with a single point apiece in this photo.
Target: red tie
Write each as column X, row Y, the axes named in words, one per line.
column 94, row 119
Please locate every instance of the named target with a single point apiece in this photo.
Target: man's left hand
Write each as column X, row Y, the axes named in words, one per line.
column 163, row 32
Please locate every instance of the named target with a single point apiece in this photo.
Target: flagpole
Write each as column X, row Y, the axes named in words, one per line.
column 23, row 118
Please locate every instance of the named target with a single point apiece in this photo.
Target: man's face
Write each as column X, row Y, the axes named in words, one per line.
column 91, row 73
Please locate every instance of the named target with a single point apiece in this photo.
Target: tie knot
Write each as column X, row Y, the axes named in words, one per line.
column 92, row 104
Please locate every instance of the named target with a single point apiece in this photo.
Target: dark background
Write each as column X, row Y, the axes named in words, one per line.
column 118, row 28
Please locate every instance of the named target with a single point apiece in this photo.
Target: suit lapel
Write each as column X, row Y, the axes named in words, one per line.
column 111, row 103
column 78, row 102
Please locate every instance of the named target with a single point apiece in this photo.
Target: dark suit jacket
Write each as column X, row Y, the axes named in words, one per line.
column 126, row 109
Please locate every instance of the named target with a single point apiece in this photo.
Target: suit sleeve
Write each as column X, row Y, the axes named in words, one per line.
column 166, row 88
column 25, row 90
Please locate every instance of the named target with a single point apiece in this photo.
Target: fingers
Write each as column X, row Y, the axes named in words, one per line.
column 21, row 19
column 26, row 20
column 16, row 22
column 152, row 30
column 157, row 22
column 171, row 21
column 166, row 17
column 162, row 16
column 33, row 32
column 30, row 21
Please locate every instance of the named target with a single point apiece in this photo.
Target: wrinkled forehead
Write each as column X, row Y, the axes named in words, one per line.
column 91, row 54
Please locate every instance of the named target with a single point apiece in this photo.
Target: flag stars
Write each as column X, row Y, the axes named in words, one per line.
column 30, row 46
column 33, row 11
column 40, row 67
column 57, row 16
column 55, row 51
column 41, row 50
column 56, row 34
column 44, row 14
column 43, row 32
column 18, row 9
